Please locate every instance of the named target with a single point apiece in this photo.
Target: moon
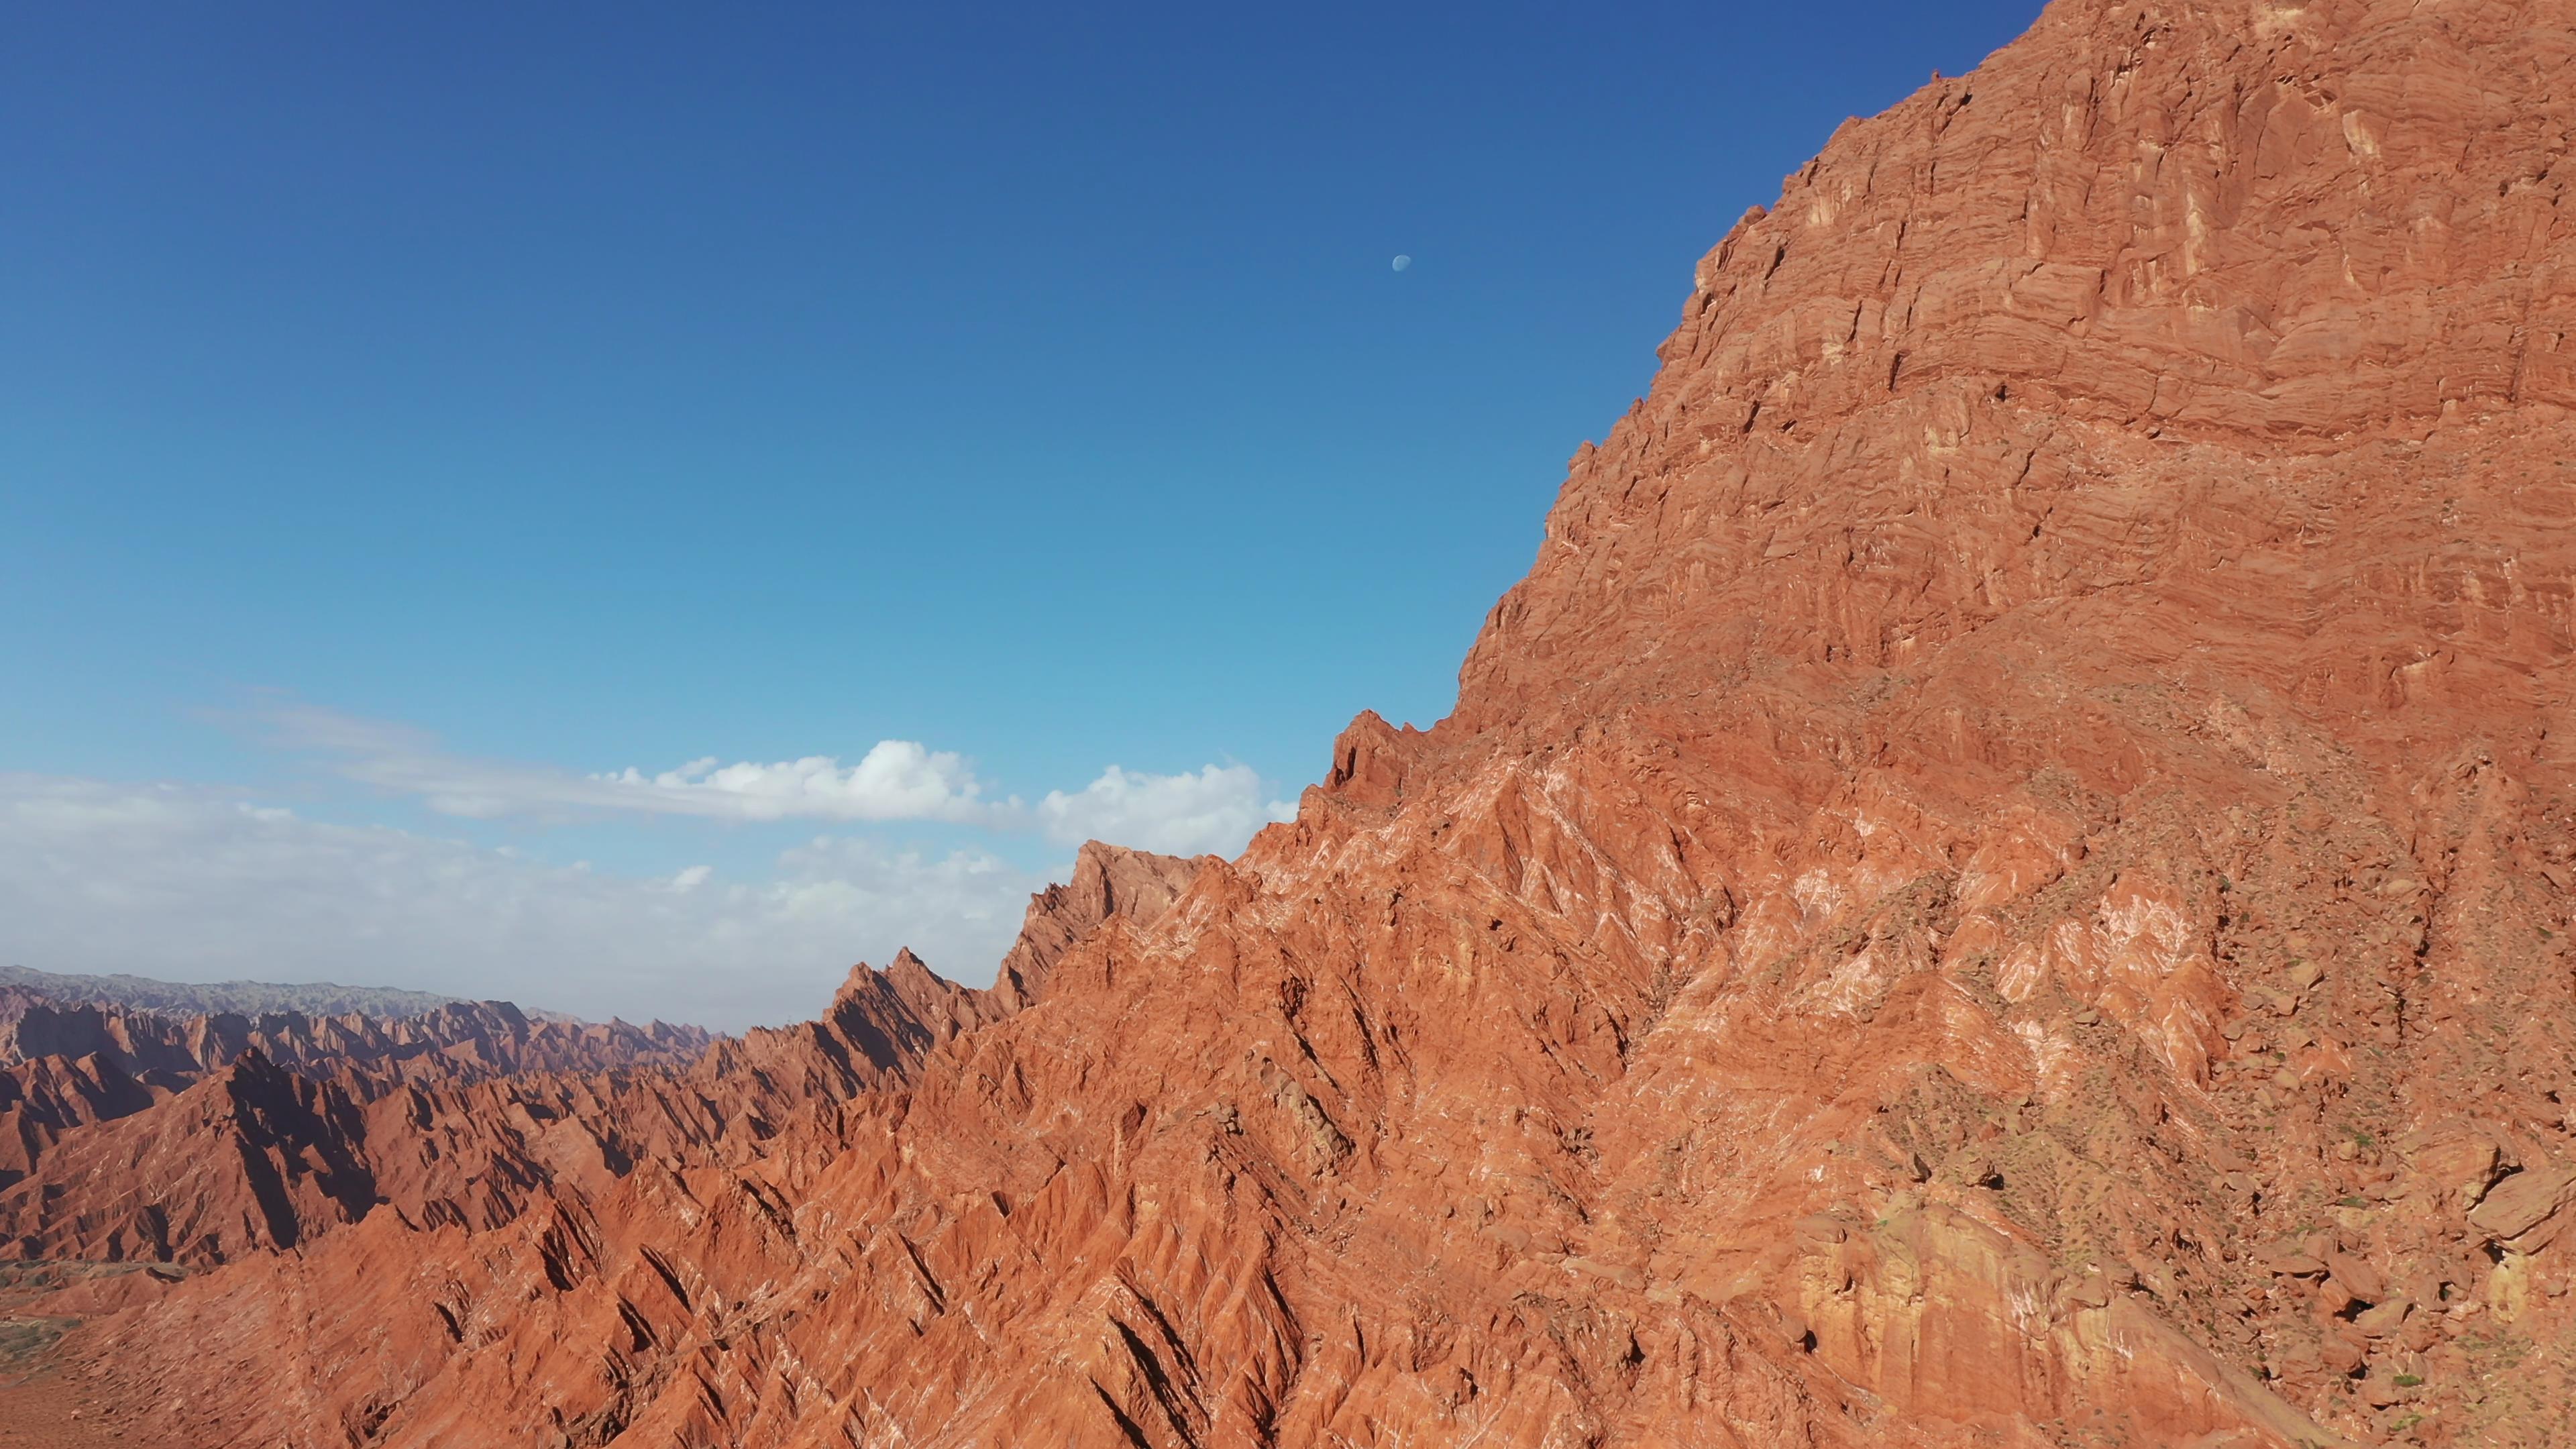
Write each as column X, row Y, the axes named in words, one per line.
column 1403, row 262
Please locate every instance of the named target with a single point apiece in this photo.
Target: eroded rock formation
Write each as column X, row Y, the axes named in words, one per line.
column 65, row 1066
column 2005, row 879
column 458, row 1039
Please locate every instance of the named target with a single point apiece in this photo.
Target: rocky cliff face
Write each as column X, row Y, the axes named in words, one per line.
column 2005, row 879
column 1133, row 885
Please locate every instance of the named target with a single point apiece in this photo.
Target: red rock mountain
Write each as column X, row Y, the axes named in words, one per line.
column 64, row 1066
column 462, row 1038
column 2004, row 880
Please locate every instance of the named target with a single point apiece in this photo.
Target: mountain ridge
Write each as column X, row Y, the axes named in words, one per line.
column 247, row 998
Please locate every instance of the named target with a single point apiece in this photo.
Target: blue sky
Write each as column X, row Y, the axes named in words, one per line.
column 408, row 415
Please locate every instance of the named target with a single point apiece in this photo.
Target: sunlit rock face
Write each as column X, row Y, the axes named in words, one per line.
column 2004, row 880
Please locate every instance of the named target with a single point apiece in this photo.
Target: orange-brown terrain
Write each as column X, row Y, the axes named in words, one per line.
column 2004, row 880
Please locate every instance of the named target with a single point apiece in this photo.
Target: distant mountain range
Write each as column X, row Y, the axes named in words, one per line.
column 250, row 998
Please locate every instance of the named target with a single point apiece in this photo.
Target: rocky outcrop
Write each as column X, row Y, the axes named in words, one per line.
column 2004, row 879
column 879, row 1028
column 1108, row 880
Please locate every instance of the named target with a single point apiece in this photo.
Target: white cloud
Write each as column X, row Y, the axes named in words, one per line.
column 895, row 780
column 199, row 883
column 1217, row 809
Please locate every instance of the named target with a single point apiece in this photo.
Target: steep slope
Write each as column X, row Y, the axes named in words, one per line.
column 2004, row 880
column 1107, row 881
column 883, row 1025
column 43, row 1100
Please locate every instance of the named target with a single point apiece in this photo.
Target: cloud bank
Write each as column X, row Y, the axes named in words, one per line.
column 1214, row 809
column 204, row 882
column 201, row 883
column 895, row 780
column 1217, row 809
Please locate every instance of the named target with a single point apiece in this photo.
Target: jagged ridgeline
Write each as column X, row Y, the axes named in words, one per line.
column 247, row 998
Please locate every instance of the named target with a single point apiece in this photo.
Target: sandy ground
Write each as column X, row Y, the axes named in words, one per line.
column 46, row 1410
column 41, row 1406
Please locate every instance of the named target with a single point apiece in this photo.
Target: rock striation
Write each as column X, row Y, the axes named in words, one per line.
column 2005, row 879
